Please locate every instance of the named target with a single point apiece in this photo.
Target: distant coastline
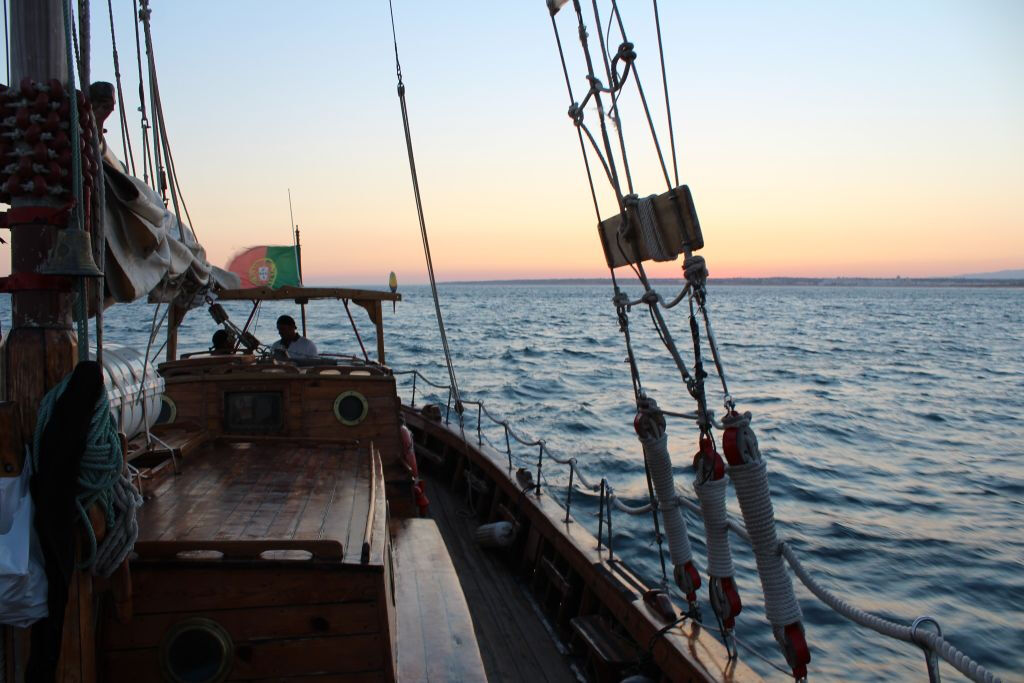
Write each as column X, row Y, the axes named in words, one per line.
column 780, row 281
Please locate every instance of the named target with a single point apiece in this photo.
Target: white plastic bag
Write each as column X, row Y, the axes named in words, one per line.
column 22, row 576
column 15, row 523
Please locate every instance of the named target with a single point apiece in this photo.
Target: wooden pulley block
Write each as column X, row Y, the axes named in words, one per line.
column 676, row 228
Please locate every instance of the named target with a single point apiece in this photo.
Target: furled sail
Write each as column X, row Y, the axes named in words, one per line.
column 147, row 252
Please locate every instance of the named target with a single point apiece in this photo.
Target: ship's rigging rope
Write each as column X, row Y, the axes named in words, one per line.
column 423, row 225
column 126, row 140
column 167, row 178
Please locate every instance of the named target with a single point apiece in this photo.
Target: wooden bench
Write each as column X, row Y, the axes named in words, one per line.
column 608, row 653
column 436, row 640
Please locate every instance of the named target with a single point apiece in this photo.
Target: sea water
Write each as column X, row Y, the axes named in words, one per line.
column 891, row 418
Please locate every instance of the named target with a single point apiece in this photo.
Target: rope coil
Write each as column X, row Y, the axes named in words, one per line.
column 711, row 495
column 101, row 482
column 751, row 483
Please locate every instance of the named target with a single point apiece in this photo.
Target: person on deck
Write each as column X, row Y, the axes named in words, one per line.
column 223, row 343
column 103, row 100
column 297, row 346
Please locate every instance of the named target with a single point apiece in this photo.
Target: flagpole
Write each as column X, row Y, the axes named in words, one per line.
column 298, row 255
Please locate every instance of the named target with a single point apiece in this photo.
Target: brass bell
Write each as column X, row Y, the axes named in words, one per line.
column 71, row 255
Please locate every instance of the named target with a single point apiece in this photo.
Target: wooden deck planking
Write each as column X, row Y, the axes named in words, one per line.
column 436, row 641
column 265, row 490
column 514, row 641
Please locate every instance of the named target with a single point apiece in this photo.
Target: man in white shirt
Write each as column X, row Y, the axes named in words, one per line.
column 298, row 347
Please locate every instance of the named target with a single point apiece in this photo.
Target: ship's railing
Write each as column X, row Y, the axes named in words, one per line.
column 930, row 641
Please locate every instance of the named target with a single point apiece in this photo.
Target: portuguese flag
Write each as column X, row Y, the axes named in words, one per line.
column 266, row 267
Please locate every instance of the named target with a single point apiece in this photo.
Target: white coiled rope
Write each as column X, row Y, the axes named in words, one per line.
column 711, row 495
column 648, row 220
column 660, row 465
column 751, row 482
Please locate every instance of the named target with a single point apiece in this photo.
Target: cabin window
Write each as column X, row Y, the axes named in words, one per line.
column 351, row 408
column 168, row 410
column 253, row 412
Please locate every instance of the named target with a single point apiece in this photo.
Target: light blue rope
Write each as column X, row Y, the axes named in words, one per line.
column 100, row 466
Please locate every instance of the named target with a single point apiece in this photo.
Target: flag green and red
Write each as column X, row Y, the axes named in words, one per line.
column 272, row 267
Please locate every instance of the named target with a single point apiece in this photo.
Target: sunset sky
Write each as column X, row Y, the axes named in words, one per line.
column 818, row 138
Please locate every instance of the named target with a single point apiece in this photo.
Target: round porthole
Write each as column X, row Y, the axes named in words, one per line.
column 168, row 410
column 351, row 408
column 196, row 651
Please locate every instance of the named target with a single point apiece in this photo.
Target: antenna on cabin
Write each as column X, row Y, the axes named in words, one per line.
column 298, row 256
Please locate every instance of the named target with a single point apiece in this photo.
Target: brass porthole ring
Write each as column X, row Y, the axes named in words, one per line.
column 196, row 650
column 351, row 408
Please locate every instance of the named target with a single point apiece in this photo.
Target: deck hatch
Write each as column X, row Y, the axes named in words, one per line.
column 253, row 412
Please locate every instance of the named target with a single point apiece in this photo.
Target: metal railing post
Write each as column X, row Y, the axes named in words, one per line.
column 600, row 515
column 609, row 508
column 568, row 495
column 508, row 446
column 540, row 463
column 413, row 402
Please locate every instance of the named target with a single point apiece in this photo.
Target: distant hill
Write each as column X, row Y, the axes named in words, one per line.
column 997, row 275
column 1011, row 278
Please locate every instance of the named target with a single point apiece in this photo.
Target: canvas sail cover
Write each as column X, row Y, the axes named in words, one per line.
column 147, row 253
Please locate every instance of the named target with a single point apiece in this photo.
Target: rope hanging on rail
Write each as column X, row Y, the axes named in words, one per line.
column 101, row 482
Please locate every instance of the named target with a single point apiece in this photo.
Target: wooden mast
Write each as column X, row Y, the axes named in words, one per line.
column 41, row 347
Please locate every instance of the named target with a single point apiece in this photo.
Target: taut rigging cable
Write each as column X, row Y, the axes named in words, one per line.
column 423, row 225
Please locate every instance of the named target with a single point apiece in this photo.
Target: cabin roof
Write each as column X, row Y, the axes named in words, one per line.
column 303, row 294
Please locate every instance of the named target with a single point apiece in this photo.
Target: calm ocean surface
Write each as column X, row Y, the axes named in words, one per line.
column 892, row 420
